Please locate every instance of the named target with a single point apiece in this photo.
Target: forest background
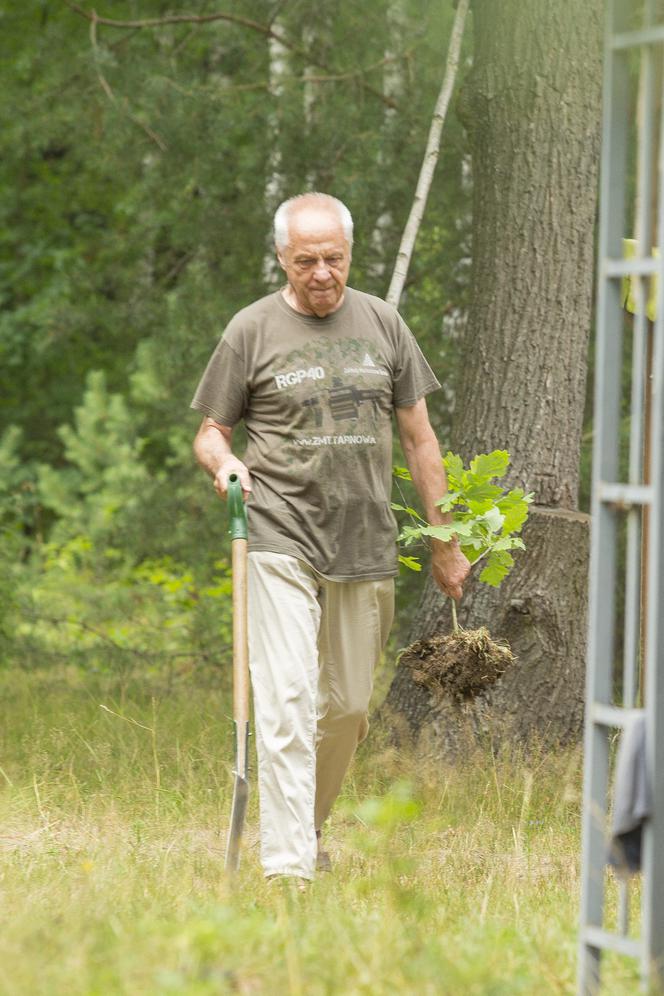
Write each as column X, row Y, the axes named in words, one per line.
column 141, row 169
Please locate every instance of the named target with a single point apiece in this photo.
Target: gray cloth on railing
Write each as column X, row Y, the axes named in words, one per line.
column 632, row 801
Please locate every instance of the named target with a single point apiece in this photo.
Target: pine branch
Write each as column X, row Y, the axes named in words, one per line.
column 283, row 80
column 246, row 22
column 156, row 22
column 106, row 87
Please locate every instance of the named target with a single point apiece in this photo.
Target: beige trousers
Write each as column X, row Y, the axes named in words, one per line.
column 313, row 647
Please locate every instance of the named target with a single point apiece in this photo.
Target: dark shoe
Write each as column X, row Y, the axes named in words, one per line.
column 323, row 863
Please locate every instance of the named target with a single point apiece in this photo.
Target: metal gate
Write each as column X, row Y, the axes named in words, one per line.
column 627, row 515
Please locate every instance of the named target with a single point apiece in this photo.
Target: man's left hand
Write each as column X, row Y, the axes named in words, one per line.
column 450, row 568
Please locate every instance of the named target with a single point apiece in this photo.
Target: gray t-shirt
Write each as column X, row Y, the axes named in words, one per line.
column 316, row 396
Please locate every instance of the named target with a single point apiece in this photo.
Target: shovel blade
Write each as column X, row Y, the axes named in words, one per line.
column 238, row 812
column 240, row 797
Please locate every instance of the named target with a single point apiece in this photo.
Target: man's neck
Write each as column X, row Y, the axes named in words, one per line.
column 290, row 297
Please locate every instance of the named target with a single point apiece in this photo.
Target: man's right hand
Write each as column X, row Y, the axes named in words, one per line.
column 449, row 568
column 232, row 466
column 212, row 447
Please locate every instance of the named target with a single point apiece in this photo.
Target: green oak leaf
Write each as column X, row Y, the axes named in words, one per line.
column 508, row 543
column 454, row 467
column 485, row 518
column 497, row 567
column 449, row 499
column 482, row 492
column 514, row 507
column 488, row 465
column 445, row 533
column 410, row 534
column 411, row 562
column 408, row 509
column 472, row 551
column 494, row 519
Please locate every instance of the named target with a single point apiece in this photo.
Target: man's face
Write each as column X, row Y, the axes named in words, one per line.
column 316, row 261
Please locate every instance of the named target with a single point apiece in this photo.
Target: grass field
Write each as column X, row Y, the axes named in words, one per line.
column 113, row 800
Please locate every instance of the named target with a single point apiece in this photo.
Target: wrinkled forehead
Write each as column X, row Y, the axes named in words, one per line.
column 312, row 229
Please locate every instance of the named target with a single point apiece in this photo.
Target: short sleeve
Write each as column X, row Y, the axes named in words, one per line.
column 222, row 391
column 413, row 377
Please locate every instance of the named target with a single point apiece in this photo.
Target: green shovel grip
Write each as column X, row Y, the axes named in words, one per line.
column 236, row 509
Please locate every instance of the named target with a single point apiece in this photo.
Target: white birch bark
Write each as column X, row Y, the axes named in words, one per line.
column 274, row 187
column 430, row 158
column 393, row 87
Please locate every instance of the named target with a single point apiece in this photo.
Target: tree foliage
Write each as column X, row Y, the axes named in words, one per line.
column 141, row 167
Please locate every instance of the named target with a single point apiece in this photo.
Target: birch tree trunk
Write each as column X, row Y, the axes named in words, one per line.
column 279, row 67
column 393, row 88
column 532, row 111
column 430, row 159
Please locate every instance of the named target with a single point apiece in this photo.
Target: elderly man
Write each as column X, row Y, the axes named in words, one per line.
column 315, row 371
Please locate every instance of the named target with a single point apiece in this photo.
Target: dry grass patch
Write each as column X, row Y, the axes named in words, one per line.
column 448, row 879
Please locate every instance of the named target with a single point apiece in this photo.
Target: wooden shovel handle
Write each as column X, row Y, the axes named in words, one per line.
column 240, row 640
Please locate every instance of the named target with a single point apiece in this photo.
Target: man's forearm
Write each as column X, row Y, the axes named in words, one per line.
column 428, row 473
column 449, row 566
column 212, row 446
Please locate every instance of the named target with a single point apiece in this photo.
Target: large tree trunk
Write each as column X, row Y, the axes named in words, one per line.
column 532, row 110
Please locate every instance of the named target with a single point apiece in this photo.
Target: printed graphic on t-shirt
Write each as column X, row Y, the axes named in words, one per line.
column 342, row 389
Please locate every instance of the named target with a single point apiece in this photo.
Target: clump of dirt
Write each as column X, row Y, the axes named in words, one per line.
column 458, row 665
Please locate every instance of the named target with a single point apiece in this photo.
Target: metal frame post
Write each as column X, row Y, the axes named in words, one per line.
column 612, row 499
column 653, row 867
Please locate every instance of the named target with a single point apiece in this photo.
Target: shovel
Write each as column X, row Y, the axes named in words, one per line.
column 238, row 531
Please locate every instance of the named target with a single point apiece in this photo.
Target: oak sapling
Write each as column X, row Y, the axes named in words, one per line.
column 486, row 519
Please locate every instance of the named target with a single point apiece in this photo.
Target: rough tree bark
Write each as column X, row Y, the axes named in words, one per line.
column 532, row 110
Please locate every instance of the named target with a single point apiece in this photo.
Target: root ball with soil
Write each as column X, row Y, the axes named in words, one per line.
column 458, row 665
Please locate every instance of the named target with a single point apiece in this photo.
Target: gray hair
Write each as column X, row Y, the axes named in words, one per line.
column 283, row 212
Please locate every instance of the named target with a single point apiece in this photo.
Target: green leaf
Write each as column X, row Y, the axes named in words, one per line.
column 409, row 534
column 482, row 493
column 488, row 465
column 451, row 497
column 411, row 562
column 484, row 516
column 509, row 543
column 514, row 507
column 454, row 467
column 445, row 533
column 471, row 551
column 408, row 509
column 494, row 519
column 402, row 472
column 447, row 502
column 498, row 566
column 514, row 519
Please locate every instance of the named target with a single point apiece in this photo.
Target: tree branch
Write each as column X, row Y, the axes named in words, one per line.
column 246, row 22
column 430, row 159
column 156, row 22
column 106, row 87
column 285, row 80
